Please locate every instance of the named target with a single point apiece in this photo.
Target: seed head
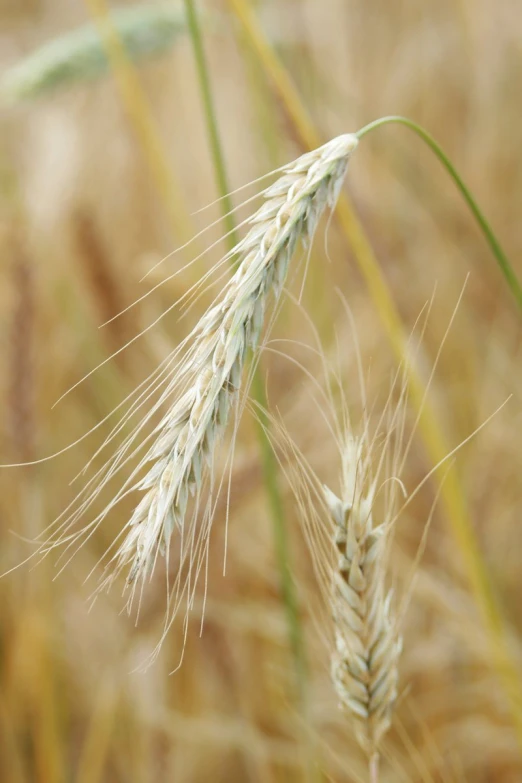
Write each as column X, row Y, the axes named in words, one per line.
column 367, row 644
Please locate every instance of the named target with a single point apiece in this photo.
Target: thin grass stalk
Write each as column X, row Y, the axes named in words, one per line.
column 451, row 493
column 105, row 290
column 139, row 113
column 489, row 235
column 21, row 408
column 49, row 762
column 216, row 149
column 269, row 463
column 92, row 760
column 13, row 756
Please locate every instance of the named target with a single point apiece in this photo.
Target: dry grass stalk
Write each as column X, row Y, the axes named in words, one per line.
column 367, row 643
column 102, row 279
column 21, row 388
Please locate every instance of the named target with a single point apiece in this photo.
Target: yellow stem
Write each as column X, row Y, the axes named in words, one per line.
column 139, row 113
column 436, row 447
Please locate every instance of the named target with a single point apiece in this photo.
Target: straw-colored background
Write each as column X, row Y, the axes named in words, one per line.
column 81, row 221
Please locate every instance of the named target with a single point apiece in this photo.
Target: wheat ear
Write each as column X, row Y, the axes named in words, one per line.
column 80, row 57
column 367, row 644
column 210, row 374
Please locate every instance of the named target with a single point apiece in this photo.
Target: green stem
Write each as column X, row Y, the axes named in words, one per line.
column 496, row 249
column 269, row 462
column 288, row 592
column 211, row 119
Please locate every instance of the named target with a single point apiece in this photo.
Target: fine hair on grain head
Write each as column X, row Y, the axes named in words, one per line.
column 105, row 289
column 170, row 426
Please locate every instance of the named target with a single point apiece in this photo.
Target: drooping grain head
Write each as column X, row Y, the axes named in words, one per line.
column 367, row 644
column 200, row 382
column 219, row 346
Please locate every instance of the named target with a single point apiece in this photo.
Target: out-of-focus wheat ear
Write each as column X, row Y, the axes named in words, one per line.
column 364, row 663
column 80, row 56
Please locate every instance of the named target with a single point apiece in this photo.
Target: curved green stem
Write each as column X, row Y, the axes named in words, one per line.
column 269, row 463
column 496, row 249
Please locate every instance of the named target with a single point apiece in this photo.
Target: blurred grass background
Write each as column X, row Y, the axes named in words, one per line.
column 82, row 220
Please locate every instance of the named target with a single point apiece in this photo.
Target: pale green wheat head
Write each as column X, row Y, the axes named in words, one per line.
column 80, row 56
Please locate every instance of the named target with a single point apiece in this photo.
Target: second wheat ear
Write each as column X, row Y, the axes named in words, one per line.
column 367, row 642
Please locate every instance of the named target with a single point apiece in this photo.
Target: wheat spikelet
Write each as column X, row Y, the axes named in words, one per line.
column 80, row 56
column 367, row 644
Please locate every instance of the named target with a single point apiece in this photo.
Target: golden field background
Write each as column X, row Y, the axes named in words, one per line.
column 81, row 221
